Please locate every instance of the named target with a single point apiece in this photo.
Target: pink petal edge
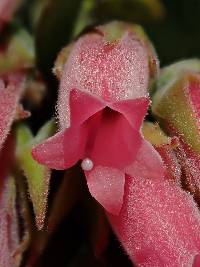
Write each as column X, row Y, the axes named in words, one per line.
column 51, row 152
column 82, row 106
column 134, row 110
column 62, row 150
column 148, row 163
column 106, row 185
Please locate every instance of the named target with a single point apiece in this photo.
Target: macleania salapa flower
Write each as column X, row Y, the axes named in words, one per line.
column 103, row 99
column 102, row 102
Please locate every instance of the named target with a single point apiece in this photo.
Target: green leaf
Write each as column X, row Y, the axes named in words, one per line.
column 38, row 176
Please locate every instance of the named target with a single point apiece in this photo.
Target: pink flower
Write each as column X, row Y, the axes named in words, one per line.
column 102, row 103
column 103, row 100
column 106, row 136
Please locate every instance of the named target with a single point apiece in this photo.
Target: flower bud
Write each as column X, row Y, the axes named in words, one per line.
column 176, row 105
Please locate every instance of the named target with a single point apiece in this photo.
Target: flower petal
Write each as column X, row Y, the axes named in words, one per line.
column 146, row 162
column 51, row 152
column 116, row 142
column 196, row 262
column 134, row 110
column 159, row 223
column 62, row 150
column 74, row 144
column 106, row 185
column 82, row 106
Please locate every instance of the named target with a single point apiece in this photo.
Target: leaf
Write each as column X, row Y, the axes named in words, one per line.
column 38, row 176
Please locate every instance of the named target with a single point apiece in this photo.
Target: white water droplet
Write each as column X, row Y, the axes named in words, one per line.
column 87, row 164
